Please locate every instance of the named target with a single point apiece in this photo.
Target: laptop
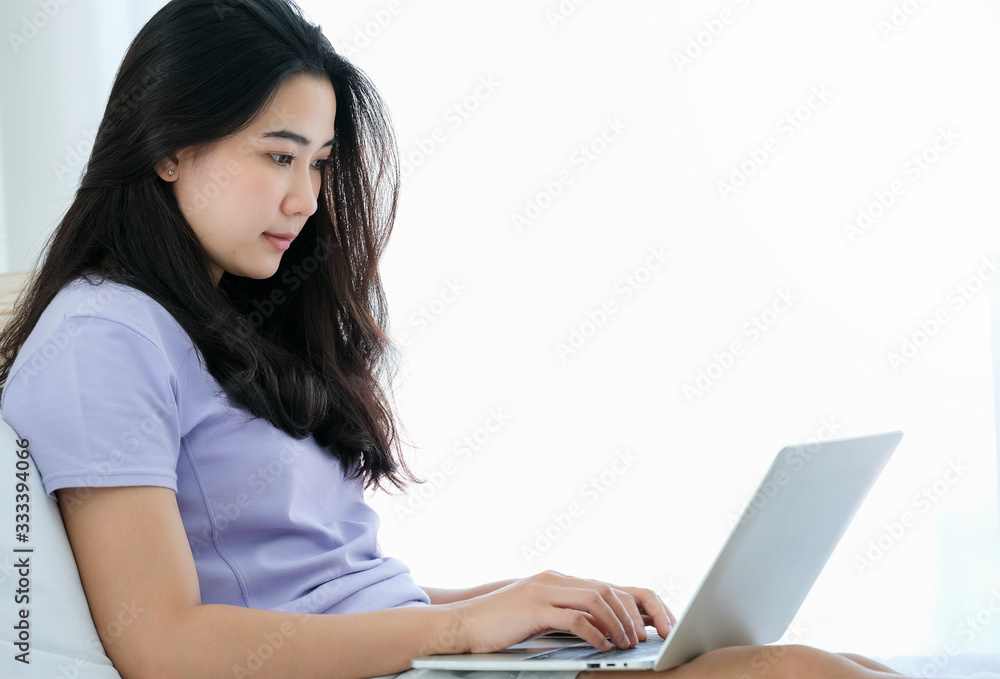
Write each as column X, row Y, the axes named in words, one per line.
column 772, row 557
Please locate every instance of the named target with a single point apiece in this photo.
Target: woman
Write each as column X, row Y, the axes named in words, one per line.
column 198, row 366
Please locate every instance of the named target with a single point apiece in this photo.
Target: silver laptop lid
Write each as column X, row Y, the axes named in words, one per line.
column 763, row 573
column 780, row 544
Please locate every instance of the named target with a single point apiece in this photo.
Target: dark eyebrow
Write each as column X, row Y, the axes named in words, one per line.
column 291, row 136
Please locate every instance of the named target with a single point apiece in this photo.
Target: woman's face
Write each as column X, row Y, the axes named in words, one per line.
column 248, row 195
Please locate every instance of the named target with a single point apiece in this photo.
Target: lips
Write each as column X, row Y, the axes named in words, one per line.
column 281, row 241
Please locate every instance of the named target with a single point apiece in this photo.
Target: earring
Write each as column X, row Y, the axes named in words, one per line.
column 170, row 172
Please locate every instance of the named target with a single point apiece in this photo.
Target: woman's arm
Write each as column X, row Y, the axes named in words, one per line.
column 133, row 556
column 450, row 596
column 139, row 576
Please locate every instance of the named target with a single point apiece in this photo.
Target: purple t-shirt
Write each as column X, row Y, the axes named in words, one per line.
column 110, row 391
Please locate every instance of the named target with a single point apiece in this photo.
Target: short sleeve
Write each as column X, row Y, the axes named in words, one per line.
column 97, row 401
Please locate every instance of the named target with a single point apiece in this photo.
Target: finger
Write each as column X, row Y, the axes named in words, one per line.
column 624, row 607
column 628, row 619
column 671, row 616
column 659, row 615
column 593, row 601
column 651, row 604
column 632, row 608
column 584, row 626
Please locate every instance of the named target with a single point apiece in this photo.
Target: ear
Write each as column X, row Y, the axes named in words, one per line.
column 167, row 168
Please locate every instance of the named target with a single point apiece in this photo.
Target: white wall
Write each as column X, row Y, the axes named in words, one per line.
column 529, row 94
column 824, row 360
column 58, row 59
column 990, row 13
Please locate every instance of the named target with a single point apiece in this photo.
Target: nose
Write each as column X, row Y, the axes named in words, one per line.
column 303, row 191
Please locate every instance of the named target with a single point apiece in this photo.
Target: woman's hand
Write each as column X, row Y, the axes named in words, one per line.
column 550, row 601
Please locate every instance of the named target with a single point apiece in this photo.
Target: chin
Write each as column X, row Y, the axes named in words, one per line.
column 256, row 274
column 259, row 273
column 265, row 275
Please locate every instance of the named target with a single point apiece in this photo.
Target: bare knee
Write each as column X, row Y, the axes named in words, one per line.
column 806, row 662
column 868, row 663
column 785, row 662
column 754, row 662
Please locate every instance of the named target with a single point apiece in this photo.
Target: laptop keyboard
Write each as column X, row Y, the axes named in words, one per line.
column 645, row 650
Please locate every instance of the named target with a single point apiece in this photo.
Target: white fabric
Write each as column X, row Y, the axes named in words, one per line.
column 970, row 666
column 62, row 640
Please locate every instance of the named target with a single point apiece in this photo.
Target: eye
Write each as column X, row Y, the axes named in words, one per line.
column 282, row 159
column 320, row 164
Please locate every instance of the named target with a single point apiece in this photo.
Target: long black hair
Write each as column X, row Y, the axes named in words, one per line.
column 318, row 360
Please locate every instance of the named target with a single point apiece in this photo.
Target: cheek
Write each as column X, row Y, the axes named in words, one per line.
column 253, row 192
column 187, row 190
column 202, row 191
column 258, row 185
column 236, row 190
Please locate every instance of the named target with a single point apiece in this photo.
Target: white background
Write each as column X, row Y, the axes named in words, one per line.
column 494, row 345
column 560, row 74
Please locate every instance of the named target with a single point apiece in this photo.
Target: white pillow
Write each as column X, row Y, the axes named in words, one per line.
column 58, row 638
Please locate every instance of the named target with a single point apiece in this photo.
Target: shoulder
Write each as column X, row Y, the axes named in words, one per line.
column 95, row 298
column 91, row 297
column 103, row 366
column 93, row 311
